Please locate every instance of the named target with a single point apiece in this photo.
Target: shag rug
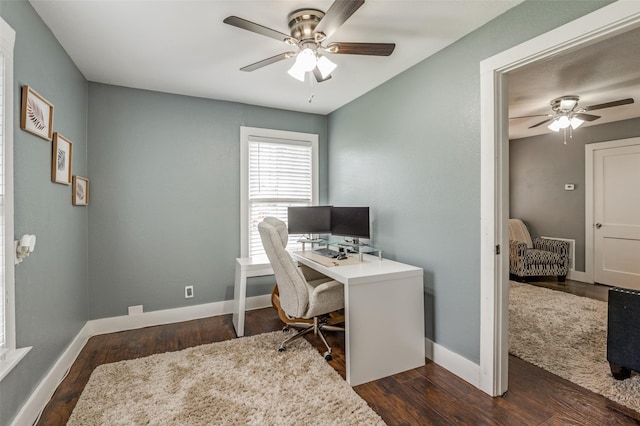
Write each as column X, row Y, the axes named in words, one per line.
column 566, row 335
column 235, row 382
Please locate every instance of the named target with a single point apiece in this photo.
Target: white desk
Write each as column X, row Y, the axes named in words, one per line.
column 246, row 267
column 384, row 316
column 384, row 313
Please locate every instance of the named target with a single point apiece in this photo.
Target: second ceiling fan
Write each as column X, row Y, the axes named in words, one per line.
column 566, row 113
column 309, row 29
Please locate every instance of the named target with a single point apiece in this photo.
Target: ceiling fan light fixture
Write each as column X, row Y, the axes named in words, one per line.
column 576, row 122
column 306, row 60
column 296, row 72
column 555, row 126
column 563, row 122
column 325, row 66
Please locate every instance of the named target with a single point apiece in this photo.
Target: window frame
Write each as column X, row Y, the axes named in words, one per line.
column 9, row 354
column 284, row 136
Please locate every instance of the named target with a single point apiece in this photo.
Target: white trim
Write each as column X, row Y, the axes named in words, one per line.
column 10, row 354
column 608, row 21
column 454, row 363
column 39, row 398
column 589, row 245
column 249, row 132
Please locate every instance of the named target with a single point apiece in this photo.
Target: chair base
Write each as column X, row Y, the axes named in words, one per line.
column 307, row 325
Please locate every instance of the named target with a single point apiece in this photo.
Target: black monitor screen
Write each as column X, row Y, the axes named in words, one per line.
column 309, row 220
column 350, row 221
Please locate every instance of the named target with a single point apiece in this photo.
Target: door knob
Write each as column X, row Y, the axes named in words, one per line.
column 598, row 225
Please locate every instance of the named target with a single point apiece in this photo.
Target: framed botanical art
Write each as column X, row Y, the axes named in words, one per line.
column 37, row 114
column 80, row 190
column 61, row 159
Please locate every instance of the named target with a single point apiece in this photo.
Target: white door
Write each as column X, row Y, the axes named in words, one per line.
column 616, row 216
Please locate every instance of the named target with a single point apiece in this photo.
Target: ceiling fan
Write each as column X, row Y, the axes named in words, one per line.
column 309, row 28
column 566, row 113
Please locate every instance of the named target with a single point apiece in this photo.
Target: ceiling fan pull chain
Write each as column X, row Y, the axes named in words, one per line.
column 565, row 136
column 311, row 81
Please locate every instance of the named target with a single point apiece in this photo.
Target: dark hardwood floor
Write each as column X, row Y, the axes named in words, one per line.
column 592, row 291
column 428, row 395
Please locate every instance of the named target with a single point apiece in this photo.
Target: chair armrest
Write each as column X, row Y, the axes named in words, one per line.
column 555, row 246
column 517, row 248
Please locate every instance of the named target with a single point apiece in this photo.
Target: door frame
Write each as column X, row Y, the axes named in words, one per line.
column 589, row 247
column 603, row 23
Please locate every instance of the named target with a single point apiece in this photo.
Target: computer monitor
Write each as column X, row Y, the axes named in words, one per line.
column 309, row 220
column 350, row 221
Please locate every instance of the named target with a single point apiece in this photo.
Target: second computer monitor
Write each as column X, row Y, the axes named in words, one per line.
column 350, row 221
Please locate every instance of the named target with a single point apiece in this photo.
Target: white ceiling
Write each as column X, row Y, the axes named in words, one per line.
column 603, row 72
column 183, row 47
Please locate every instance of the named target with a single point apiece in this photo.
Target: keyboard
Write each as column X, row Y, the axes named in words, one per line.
column 326, row 252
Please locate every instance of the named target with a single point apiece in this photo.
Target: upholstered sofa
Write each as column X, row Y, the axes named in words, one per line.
column 535, row 257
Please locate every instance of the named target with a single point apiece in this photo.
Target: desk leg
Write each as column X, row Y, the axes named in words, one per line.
column 239, row 300
column 384, row 331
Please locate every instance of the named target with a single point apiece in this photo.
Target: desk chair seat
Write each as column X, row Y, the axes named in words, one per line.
column 304, row 298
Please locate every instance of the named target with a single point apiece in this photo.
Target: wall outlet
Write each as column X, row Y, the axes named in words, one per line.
column 135, row 310
column 188, row 292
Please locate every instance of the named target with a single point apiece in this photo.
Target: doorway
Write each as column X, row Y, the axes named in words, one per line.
column 599, row 25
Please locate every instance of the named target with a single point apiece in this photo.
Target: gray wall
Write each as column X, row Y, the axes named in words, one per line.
column 165, row 195
column 51, row 285
column 539, row 166
column 411, row 150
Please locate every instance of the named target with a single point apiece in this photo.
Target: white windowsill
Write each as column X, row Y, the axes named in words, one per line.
column 11, row 359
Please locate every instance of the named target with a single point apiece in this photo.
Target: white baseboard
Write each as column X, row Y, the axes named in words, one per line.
column 39, row 398
column 456, row 364
column 578, row 276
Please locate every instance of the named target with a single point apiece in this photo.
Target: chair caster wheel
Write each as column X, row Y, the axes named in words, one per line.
column 328, row 356
column 282, row 349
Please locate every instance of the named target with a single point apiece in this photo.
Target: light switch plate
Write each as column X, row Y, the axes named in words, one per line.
column 569, row 187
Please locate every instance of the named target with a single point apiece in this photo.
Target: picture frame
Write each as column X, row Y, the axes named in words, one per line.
column 37, row 114
column 62, row 154
column 80, row 190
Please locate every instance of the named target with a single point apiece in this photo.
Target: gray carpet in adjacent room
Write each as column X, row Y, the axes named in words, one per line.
column 566, row 335
column 240, row 381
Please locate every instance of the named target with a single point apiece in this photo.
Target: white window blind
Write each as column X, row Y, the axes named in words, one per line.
column 280, row 175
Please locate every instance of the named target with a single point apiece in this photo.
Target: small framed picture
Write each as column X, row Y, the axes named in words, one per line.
column 37, row 114
column 61, row 159
column 80, row 191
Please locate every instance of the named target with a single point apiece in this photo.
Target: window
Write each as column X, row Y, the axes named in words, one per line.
column 278, row 169
column 9, row 355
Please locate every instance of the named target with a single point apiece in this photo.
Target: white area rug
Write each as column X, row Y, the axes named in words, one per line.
column 566, row 335
column 240, row 381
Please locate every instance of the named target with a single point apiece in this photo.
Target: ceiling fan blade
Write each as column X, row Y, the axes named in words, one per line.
column 530, row 116
column 256, row 28
column 318, row 75
column 609, row 104
column 586, row 117
column 374, row 49
column 268, row 61
column 541, row 123
column 337, row 14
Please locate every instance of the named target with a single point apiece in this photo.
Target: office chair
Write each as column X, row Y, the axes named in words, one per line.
column 304, row 298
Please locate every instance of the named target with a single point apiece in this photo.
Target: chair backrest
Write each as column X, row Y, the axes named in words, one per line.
column 518, row 231
column 292, row 286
